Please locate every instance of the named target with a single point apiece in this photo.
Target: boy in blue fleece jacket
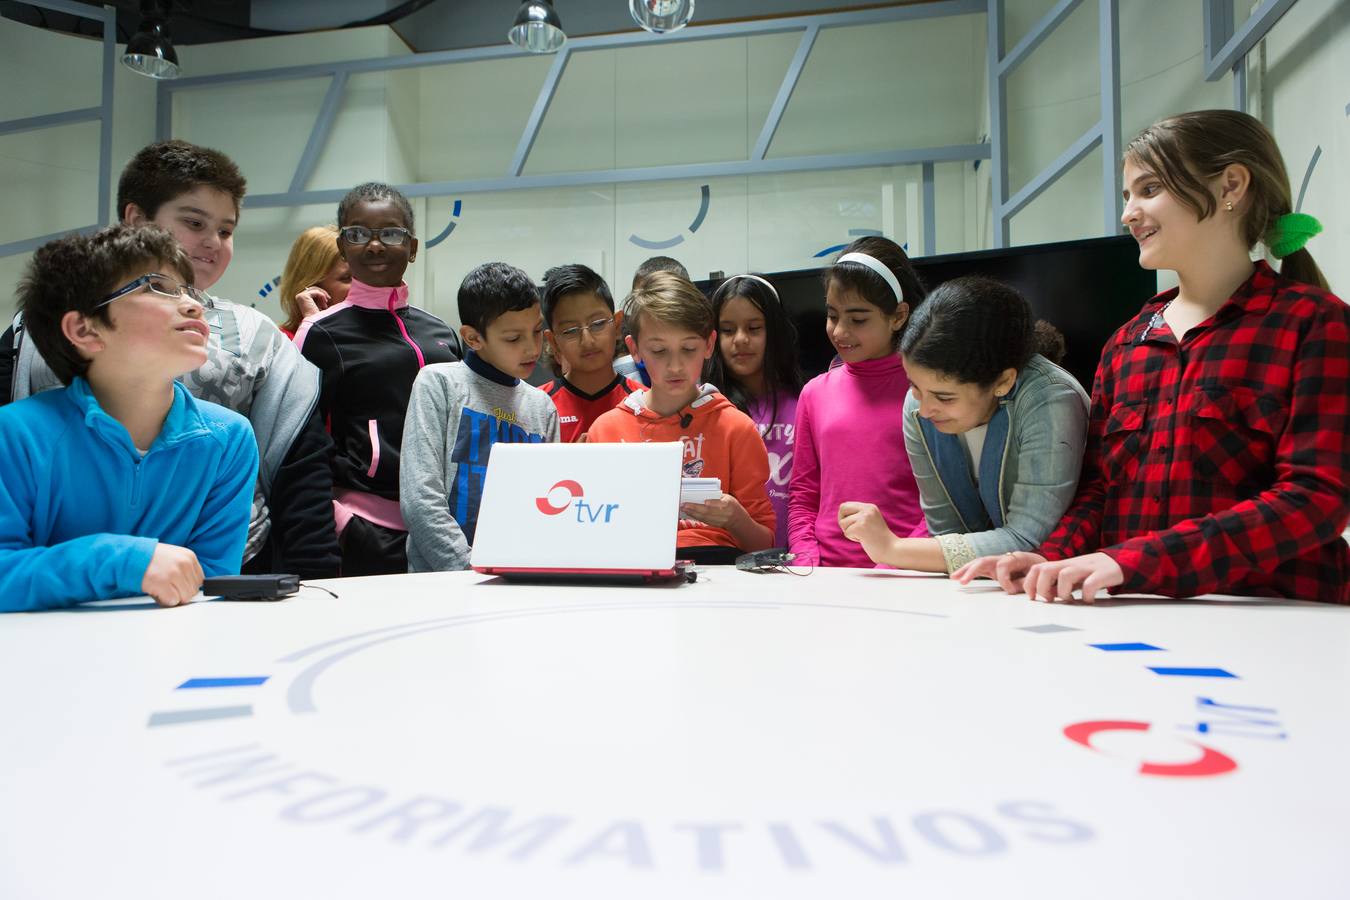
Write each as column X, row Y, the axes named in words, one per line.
column 122, row 483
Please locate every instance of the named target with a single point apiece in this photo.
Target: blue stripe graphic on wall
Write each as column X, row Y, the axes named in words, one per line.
column 1307, row 176
column 1135, row 645
column 855, row 233
column 454, row 216
column 705, row 202
column 1200, row 672
column 237, row 681
column 267, row 287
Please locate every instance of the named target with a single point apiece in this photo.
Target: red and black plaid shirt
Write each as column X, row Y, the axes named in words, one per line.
column 1220, row 465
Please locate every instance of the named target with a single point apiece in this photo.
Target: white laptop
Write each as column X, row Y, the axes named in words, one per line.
column 580, row 510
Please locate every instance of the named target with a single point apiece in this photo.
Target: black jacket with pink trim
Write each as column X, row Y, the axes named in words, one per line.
column 369, row 349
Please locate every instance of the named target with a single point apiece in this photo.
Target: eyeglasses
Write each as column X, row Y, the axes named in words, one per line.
column 573, row 335
column 160, row 286
column 360, row 234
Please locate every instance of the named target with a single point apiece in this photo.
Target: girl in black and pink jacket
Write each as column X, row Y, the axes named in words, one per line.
column 369, row 349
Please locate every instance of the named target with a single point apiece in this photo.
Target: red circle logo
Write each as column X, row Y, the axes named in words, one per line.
column 548, row 508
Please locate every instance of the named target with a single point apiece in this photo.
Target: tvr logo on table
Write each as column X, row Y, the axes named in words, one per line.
column 573, row 497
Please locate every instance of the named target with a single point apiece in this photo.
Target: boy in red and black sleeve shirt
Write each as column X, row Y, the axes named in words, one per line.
column 582, row 329
column 1220, row 464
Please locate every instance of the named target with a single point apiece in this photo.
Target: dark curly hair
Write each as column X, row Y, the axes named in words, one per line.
column 493, row 289
column 867, row 284
column 168, row 169
column 971, row 329
column 782, row 371
column 73, row 273
column 376, row 191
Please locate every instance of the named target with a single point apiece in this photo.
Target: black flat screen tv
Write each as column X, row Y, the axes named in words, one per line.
column 1087, row 289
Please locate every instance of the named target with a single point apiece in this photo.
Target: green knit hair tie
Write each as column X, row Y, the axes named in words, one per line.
column 1290, row 232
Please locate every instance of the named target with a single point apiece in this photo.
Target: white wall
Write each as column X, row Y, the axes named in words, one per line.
column 1304, row 97
column 52, row 174
column 880, row 87
column 1055, row 96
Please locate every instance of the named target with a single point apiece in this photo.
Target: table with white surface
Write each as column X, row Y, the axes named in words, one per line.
column 846, row 734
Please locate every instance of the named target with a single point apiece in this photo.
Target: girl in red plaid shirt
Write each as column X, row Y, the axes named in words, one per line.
column 1218, row 446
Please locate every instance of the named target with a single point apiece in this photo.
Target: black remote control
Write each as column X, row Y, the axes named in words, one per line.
column 251, row 587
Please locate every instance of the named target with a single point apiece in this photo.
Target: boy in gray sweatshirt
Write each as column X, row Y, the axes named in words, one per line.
column 459, row 410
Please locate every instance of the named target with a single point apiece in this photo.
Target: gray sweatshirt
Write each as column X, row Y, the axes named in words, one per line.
column 456, row 413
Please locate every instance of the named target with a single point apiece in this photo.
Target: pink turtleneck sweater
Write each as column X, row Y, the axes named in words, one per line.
column 850, row 445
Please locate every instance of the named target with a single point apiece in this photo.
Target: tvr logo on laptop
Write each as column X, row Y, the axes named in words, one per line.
column 572, row 496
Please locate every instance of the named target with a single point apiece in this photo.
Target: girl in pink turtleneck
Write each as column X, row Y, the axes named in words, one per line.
column 850, row 426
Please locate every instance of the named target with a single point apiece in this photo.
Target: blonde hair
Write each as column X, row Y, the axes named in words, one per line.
column 313, row 255
column 1188, row 150
column 668, row 298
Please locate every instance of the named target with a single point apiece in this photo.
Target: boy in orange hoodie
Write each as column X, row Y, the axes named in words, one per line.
column 672, row 332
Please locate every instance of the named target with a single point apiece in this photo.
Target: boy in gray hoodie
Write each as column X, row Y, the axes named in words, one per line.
column 459, row 410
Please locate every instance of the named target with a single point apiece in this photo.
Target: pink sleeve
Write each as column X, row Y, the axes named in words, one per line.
column 804, row 488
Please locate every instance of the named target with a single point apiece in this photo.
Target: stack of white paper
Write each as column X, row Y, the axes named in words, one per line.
column 700, row 490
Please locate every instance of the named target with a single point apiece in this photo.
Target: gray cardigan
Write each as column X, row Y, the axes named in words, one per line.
column 1033, row 453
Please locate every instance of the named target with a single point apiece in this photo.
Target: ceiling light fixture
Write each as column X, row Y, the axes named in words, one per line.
column 537, row 28
column 151, row 51
column 660, row 16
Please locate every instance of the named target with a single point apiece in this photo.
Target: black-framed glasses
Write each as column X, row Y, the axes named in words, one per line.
column 361, row 235
column 596, row 328
column 160, row 286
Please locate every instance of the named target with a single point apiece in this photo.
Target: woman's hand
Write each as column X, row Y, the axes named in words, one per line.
column 1008, row 569
column 1056, row 581
column 864, row 524
column 311, row 300
column 1048, row 582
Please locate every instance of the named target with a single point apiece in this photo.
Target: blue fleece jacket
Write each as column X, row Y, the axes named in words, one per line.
column 81, row 509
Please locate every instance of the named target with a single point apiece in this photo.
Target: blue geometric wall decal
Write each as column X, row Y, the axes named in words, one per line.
column 267, row 287
column 853, row 233
column 454, row 216
column 656, row 245
column 705, row 202
column 1307, row 176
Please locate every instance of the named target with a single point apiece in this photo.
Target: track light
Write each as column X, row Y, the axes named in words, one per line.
column 537, row 28
column 660, row 16
column 151, row 51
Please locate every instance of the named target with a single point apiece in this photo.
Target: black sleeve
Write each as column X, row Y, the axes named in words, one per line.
column 9, row 355
column 304, row 535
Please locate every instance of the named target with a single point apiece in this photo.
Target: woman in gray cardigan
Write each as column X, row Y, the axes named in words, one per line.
column 994, row 431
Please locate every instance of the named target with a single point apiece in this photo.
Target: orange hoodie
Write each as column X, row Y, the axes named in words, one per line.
column 719, row 441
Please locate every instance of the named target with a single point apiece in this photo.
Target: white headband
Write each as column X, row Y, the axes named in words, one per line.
column 877, row 266
column 762, row 281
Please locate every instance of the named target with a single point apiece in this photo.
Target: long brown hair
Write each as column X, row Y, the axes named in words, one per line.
column 1188, row 150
